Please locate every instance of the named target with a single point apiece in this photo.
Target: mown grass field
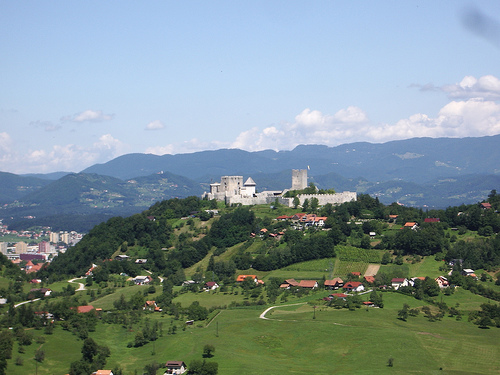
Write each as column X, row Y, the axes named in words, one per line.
column 292, row 342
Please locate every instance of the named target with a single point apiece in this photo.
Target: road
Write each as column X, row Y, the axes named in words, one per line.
column 81, row 286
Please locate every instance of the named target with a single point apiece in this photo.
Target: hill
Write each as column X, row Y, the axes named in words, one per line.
column 418, row 160
column 420, row 172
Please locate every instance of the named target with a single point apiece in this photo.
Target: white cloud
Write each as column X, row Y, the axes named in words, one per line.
column 468, row 118
column 190, row 146
column 486, row 87
column 88, row 116
column 155, row 125
column 70, row 157
column 5, row 142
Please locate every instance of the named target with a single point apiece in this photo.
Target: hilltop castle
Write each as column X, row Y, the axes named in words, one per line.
column 231, row 189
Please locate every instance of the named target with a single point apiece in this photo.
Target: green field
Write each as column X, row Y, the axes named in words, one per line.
column 292, row 342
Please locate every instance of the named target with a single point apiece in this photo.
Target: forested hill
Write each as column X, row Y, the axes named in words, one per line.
column 171, row 244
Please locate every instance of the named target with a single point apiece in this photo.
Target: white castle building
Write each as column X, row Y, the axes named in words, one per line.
column 232, row 190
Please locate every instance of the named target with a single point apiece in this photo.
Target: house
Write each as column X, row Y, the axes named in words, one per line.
column 369, row 279
column 468, row 272
column 122, row 257
column 353, row 286
column 309, row 284
column 151, row 306
column 175, row 367
column 368, row 304
column 356, row 274
column 188, row 283
column 283, row 217
column 84, row 309
column 103, row 372
column 339, row 295
column 141, row 261
column 241, row 278
column 398, row 282
column 372, row 234
column 431, row 220
column 334, row 284
column 142, row 280
column 289, row 283
column 442, row 282
column 393, row 217
column 211, row 285
column 411, row 225
column 44, row 292
column 486, row 206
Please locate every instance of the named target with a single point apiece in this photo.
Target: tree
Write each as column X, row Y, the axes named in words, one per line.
column 305, row 204
column 386, row 258
column 403, row 313
column 151, row 368
column 314, row 204
column 39, row 355
column 296, row 202
column 89, row 349
column 208, row 351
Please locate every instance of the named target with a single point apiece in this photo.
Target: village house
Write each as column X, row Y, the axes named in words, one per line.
column 175, row 367
column 289, row 283
column 309, row 284
column 442, row 282
column 151, row 306
column 468, row 272
column 336, row 283
column 103, row 372
column 211, row 285
column 42, row 292
column 241, row 278
column 84, row 309
column 398, row 282
column 431, row 220
column 142, row 280
column 342, row 296
column 369, row 279
column 353, row 286
column 411, row 225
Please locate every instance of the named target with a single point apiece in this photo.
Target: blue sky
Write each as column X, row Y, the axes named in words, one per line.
column 84, row 82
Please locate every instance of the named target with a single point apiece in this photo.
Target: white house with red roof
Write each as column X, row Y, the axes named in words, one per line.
column 353, row 286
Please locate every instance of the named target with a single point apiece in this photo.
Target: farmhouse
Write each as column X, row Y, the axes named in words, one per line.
column 309, row 284
column 142, row 280
column 175, row 367
column 334, row 284
column 353, row 286
column 211, row 285
column 442, row 282
column 289, row 283
column 103, row 372
column 397, row 282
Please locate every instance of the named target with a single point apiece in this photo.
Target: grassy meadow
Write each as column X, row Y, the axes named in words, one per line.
column 292, row 341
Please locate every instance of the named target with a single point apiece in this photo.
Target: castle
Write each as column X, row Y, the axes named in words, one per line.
column 232, row 190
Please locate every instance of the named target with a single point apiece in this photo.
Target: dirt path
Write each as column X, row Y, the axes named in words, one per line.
column 80, row 285
column 372, row 270
column 263, row 315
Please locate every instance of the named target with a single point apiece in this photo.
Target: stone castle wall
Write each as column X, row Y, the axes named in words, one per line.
column 337, row 198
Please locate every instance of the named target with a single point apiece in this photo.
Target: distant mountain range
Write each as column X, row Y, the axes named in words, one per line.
column 420, row 172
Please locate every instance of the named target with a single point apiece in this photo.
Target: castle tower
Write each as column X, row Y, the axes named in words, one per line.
column 231, row 185
column 249, row 187
column 299, row 179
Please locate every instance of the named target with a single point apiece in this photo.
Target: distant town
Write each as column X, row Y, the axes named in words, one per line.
column 35, row 247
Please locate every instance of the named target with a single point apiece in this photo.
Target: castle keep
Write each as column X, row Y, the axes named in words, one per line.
column 232, row 190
